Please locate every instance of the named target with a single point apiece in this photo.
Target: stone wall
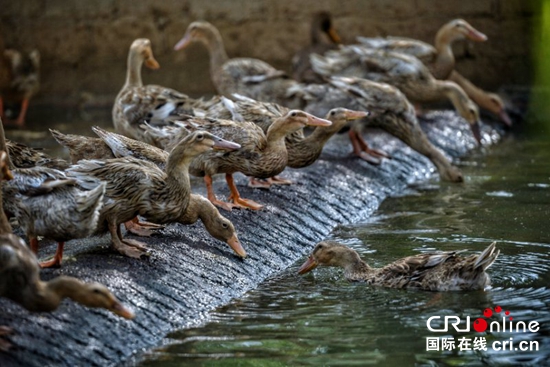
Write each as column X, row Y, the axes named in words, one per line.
column 84, row 43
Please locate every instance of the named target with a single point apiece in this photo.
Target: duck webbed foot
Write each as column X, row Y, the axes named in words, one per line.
column 257, row 183
column 362, row 150
column 56, row 261
column 238, row 201
column 127, row 247
column 276, row 180
column 4, row 344
column 143, row 229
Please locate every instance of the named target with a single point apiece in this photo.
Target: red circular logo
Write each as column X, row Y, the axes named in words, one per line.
column 488, row 312
column 480, row 325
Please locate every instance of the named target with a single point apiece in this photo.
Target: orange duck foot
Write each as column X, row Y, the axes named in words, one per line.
column 143, row 229
column 276, row 180
column 56, row 261
column 239, row 202
column 258, row 183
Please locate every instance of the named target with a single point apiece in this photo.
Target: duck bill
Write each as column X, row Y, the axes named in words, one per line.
column 183, row 43
column 476, row 35
column 308, row 266
column 334, row 37
column 121, row 310
column 316, row 121
column 476, row 131
column 221, row 144
column 151, row 63
column 235, row 244
column 505, row 118
column 356, row 115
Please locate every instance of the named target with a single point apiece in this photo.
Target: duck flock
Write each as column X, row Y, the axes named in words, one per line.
column 255, row 126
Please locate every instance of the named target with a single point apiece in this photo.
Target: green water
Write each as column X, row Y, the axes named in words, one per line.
column 321, row 319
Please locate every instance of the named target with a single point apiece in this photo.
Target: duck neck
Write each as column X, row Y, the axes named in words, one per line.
column 357, row 270
column 304, row 152
column 50, row 294
column 276, row 134
column 133, row 71
column 177, row 168
column 445, row 59
column 194, row 210
column 218, row 56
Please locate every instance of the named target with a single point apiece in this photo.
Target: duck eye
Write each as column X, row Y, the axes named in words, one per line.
column 96, row 291
column 225, row 225
column 200, row 137
column 332, row 113
column 293, row 114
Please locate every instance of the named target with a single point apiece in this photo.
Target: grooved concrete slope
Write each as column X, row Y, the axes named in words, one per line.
column 190, row 273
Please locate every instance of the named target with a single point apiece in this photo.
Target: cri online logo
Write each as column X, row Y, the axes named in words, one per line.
column 480, row 324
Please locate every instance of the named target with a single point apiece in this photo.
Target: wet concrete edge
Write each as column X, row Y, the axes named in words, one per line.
column 190, row 273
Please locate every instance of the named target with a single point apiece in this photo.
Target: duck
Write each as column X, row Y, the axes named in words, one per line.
column 138, row 187
column 389, row 110
column 20, row 281
column 403, row 71
column 438, row 272
column 440, row 60
column 302, row 150
column 49, row 204
column 247, row 76
column 112, row 145
column 137, row 103
column 19, row 79
column 262, row 155
column 323, row 37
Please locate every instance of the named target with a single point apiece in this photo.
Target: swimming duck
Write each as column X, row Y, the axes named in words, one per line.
column 442, row 271
column 261, row 155
column 19, row 79
column 440, row 60
column 251, row 77
column 19, row 280
column 389, row 110
column 400, row 70
column 137, row 187
column 323, row 37
column 137, row 103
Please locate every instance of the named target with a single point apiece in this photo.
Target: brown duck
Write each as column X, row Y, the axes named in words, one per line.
column 137, row 187
column 261, row 155
column 443, row 271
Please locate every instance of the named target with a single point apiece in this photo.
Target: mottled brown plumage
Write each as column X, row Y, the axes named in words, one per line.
column 24, row 156
column 136, row 103
column 20, row 282
column 109, row 145
column 389, row 110
column 47, row 203
column 137, row 187
column 440, row 60
column 443, row 271
column 400, row 70
column 261, row 155
column 302, row 150
column 239, row 75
